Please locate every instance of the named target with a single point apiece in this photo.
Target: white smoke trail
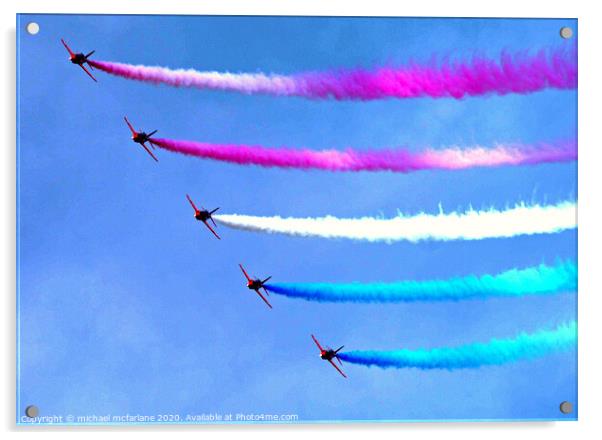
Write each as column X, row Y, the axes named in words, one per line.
column 470, row 225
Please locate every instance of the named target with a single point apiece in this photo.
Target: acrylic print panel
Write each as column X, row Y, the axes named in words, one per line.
column 402, row 188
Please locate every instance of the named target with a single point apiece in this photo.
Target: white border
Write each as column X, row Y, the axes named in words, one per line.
column 590, row 221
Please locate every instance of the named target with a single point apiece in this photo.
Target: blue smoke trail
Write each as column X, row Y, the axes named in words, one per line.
column 538, row 280
column 496, row 352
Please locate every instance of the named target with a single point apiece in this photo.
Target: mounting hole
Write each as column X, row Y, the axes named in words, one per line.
column 566, row 407
column 32, row 28
column 566, row 32
column 32, row 411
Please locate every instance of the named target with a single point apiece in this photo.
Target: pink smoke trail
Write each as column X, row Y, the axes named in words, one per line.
column 511, row 73
column 375, row 160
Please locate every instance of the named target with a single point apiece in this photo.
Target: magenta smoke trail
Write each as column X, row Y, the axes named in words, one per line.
column 375, row 160
column 520, row 72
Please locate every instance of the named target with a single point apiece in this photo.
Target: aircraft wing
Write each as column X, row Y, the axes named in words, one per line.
column 317, row 343
column 335, row 366
column 211, row 229
column 149, row 152
column 67, row 47
column 245, row 272
column 263, row 298
column 191, row 203
column 87, row 71
column 130, row 125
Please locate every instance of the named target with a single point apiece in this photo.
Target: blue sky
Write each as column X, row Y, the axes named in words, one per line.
column 127, row 305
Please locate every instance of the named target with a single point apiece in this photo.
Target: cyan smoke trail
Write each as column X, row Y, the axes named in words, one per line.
column 396, row 160
column 495, row 352
column 538, row 280
column 470, row 225
column 520, row 72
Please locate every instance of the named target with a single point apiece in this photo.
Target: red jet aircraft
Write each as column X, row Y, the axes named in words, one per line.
column 329, row 354
column 79, row 58
column 203, row 215
column 256, row 284
column 141, row 138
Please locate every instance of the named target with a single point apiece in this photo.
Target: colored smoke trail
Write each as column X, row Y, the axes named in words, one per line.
column 470, row 225
column 538, row 280
column 520, row 72
column 376, row 160
column 495, row 352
